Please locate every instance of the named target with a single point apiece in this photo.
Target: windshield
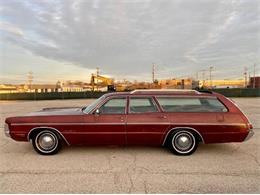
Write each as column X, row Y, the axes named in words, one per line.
column 93, row 104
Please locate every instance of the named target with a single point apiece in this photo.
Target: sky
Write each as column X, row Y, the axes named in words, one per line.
column 68, row 40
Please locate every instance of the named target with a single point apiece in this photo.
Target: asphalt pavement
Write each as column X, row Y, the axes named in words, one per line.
column 214, row 168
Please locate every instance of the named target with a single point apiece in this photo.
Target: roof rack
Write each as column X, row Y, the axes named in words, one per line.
column 142, row 91
column 205, row 91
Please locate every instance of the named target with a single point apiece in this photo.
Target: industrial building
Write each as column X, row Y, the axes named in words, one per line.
column 226, row 83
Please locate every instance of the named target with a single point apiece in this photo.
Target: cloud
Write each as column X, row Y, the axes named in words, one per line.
column 126, row 37
column 9, row 28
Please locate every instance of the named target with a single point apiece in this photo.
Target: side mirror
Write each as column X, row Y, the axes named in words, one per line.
column 97, row 112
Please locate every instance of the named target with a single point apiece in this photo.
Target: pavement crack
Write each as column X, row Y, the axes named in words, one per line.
column 145, row 187
column 131, row 182
column 253, row 157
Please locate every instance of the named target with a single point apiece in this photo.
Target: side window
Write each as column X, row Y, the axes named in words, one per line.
column 113, row 106
column 142, row 105
column 214, row 105
column 176, row 104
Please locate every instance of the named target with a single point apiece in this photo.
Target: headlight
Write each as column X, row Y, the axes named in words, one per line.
column 7, row 131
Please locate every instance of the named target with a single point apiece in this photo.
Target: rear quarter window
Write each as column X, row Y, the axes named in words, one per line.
column 191, row 104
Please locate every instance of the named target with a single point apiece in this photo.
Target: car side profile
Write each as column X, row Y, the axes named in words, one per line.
column 177, row 119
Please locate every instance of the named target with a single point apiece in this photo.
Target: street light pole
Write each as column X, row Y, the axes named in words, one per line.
column 254, row 76
column 210, row 75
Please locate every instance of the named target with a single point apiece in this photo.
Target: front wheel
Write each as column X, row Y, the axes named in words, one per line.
column 46, row 142
column 183, row 142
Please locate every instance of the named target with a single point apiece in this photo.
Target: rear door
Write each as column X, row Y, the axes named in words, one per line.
column 146, row 124
column 204, row 114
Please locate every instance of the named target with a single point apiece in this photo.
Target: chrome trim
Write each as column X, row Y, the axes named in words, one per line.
column 182, row 128
column 17, row 124
column 164, row 90
column 7, row 130
column 144, row 123
column 249, row 135
column 56, row 130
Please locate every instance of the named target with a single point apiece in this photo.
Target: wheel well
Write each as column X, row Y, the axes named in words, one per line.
column 198, row 136
column 33, row 132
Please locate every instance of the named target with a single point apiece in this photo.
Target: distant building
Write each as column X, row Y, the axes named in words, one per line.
column 254, row 82
column 41, row 88
column 5, row 88
column 176, row 84
column 240, row 83
column 74, row 86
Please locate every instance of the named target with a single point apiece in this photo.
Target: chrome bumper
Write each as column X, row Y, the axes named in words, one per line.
column 6, row 130
column 249, row 135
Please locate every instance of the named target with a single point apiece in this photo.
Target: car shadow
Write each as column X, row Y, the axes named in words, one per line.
column 202, row 148
column 79, row 150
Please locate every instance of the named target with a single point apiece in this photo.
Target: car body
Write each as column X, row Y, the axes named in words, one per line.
column 179, row 119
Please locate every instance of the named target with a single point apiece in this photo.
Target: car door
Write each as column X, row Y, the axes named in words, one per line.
column 106, row 125
column 146, row 124
column 203, row 114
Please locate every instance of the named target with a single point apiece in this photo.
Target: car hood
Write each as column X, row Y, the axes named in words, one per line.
column 57, row 111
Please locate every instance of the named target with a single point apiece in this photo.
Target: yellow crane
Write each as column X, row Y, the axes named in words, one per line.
column 105, row 82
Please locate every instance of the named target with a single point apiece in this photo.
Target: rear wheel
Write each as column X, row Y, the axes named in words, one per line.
column 182, row 142
column 46, row 142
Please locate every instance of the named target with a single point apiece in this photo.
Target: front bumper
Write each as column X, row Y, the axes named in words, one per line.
column 6, row 130
column 249, row 135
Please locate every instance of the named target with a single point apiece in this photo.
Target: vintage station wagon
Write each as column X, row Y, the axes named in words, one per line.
column 178, row 119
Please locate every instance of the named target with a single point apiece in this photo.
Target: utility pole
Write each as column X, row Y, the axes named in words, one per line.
column 254, row 76
column 245, row 76
column 97, row 71
column 153, row 73
column 203, row 78
column 30, row 80
column 97, row 77
column 210, row 76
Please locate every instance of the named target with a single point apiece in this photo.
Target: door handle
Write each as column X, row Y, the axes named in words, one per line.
column 220, row 117
column 163, row 117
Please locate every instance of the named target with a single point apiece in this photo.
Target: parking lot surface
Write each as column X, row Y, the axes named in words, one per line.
column 214, row 168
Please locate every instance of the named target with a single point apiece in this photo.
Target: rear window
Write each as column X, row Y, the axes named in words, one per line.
column 142, row 105
column 177, row 104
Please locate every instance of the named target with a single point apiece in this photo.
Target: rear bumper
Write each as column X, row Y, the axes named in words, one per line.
column 249, row 135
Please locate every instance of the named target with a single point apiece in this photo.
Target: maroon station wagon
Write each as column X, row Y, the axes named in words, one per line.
column 178, row 119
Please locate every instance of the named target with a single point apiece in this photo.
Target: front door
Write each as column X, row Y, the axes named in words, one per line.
column 107, row 124
column 146, row 125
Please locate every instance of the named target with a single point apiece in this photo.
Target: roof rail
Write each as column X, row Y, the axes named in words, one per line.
column 136, row 91
column 205, row 91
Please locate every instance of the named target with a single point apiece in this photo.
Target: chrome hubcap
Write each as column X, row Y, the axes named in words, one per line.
column 46, row 141
column 183, row 141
